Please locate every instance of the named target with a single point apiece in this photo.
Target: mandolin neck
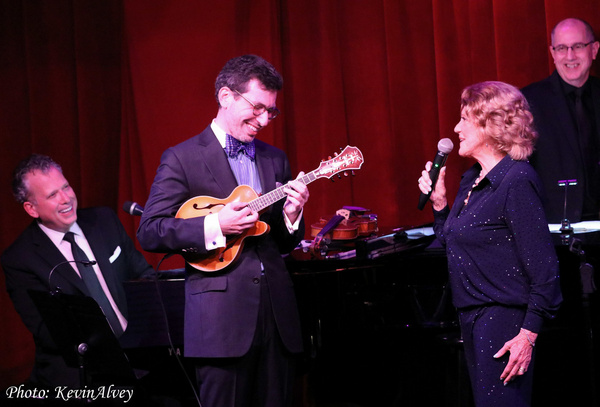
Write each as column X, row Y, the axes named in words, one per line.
column 349, row 159
column 268, row 199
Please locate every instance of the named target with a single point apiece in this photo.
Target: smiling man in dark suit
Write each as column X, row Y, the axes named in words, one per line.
column 241, row 322
column 40, row 186
column 566, row 111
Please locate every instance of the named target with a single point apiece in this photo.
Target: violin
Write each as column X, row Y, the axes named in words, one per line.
column 348, row 223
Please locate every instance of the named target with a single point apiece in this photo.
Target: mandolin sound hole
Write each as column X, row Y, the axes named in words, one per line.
column 208, row 206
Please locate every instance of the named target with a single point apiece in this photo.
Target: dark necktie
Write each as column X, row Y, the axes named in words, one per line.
column 93, row 284
column 589, row 154
column 582, row 117
column 233, row 147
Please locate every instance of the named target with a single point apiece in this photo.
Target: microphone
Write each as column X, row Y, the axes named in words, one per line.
column 86, row 263
column 444, row 146
column 133, row 208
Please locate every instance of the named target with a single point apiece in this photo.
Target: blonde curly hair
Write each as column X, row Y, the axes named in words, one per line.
column 502, row 113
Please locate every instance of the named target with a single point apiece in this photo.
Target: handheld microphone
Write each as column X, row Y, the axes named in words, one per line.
column 86, row 263
column 444, row 146
column 133, row 208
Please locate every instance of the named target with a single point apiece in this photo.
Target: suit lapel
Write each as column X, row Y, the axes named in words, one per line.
column 216, row 161
column 49, row 253
column 266, row 170
column 595, row 88
column 97, row 239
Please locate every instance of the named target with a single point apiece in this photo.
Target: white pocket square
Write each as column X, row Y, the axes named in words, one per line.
column 115, row 254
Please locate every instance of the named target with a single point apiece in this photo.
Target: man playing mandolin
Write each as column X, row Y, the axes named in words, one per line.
column 241, row 317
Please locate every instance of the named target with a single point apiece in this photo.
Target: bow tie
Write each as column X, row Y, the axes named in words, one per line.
column 233, row 147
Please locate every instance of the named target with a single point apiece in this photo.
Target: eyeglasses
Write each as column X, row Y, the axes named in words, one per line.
column 578, row 46
column 259, row 109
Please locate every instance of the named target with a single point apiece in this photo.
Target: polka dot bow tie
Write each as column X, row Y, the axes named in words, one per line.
column 233, row 147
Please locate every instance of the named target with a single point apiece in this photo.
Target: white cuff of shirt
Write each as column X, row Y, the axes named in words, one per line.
column 213, row 236
column 293, row 227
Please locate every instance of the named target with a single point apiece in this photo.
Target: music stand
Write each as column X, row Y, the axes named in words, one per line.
column 566, row 230
column 84, row 337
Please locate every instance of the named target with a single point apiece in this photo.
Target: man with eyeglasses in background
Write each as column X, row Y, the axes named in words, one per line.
column 241, row 321
column 566, row 110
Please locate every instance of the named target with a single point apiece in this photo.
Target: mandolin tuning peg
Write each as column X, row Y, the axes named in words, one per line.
column 345, row 173
column 339, row 176
column 353, row 173
column 332, row 179
column 329, row 157
column 335, row 154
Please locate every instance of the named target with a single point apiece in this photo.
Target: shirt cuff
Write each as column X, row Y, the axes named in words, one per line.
column 213, row 236
column 292, row 228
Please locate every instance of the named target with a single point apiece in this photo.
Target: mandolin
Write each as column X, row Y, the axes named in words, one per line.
column 350, row 158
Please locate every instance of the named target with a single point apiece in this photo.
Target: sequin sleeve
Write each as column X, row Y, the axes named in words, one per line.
column 527, row 221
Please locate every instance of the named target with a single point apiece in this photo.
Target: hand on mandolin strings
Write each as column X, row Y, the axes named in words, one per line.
column 236, row 217
column 297, row 195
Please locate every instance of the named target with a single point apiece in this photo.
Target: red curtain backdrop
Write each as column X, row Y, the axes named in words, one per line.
column 105, row 86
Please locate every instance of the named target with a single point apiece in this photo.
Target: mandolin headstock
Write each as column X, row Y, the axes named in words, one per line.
column 349, row 159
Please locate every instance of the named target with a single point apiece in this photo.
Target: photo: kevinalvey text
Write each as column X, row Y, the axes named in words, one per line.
column 65, row 393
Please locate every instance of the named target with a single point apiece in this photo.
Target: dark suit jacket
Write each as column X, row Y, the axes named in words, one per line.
column 28, row 261
column 222, row 307
column 556, row 155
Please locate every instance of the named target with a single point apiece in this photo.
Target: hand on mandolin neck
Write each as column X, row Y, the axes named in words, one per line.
column 297, row 195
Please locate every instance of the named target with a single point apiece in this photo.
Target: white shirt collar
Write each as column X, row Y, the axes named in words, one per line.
column 219, row 132
column 56, row 236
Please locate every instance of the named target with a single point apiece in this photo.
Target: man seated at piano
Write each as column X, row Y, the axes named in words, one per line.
column 242, row 325
column 501, row 259
column 48, row 253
